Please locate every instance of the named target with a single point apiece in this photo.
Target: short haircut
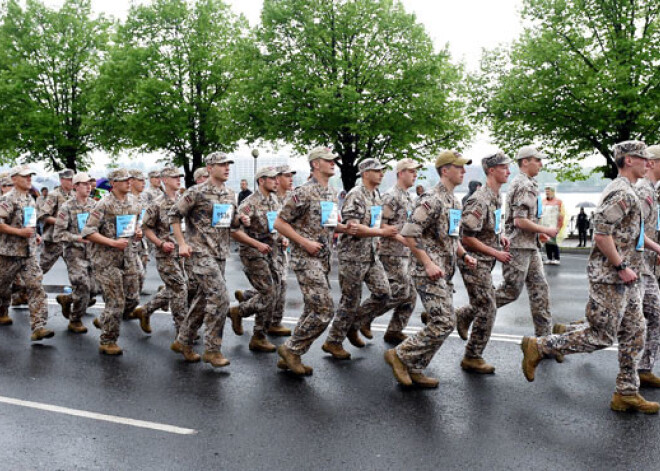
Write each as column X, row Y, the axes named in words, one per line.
column 439, row 169
column 243, row 180
column 620, row 161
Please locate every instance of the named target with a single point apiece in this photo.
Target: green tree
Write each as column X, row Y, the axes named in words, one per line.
column 359, row 75
column 583, row 76
column 171, row 83
column 48, row 61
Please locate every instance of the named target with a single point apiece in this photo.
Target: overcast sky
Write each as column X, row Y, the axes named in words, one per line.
column 468, row 26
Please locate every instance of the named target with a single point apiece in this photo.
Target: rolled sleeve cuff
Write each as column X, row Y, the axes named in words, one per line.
column 521, row 213
column 412, row 230
column 603, row 228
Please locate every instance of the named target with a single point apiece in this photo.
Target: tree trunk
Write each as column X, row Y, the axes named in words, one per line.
column 349, row 171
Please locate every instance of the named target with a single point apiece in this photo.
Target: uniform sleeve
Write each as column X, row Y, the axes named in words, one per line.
column 524, row 203
column 420, row 219
column 182, row 207
column 93, row 224
column 473, row 217
column 151, row 216
column 389, row 209
column 47, row 208
column 61, row 231
column 294, row 206
column 353, row 208
column 6, row 208
column 612, row 211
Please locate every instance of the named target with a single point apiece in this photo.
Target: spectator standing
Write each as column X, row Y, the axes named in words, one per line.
column 582, row 227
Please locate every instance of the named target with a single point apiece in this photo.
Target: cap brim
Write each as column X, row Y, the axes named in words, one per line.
column 24, row 174
column 461, row 161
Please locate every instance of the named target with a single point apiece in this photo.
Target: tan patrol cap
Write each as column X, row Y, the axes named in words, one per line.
column 155, row 174
column 119, row 175
column 168, row 172
column 136, row 174
column 270, row 172
column 22, row 171
column 218, row 158
column 530, row 151
column 654, row 152
column 200, row 172
column 321, row 153
column 282, row 169
column 81, row 177
column 408, row 163
column 451, row 157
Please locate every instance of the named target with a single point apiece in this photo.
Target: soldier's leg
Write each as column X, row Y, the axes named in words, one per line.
column 351, row 276
column 9, row 268
column 18, row 291
column 651, row 309
column 379, row 287
column 175, row 293
column 404, row 295
column 482, row 298
column 318, row 311
column 112, row 282
column 50, row 252
column 278, row 311
column 417, row 350
column 78, row 269
column 539, row 296
column 630, row 336
column 131, row 284
column 514, row 274
column 260, row 276
column 37, row 299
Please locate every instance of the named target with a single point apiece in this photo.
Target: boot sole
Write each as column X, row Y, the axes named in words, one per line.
column 336, row 357
column 392, row 362
column 469, row 369
column 42, row 337
column 281, row 364
column 628, row 408
column 214, row 365
column 283, row 358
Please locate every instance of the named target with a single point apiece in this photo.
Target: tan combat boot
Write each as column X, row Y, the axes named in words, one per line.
column 291, row 360
column 531, row 357
column 258, row 343
column 425, row 317
column 145, row 319
column 236, row 320
column 41, row 333
column 110, row 349
column 19, row 299
column 477, row 365
column 278, row 331
column 559, row 329
column 281, row 364
column 215, row 359
column 239, row 294
column 190, row 356
column 97, row 323
column 4, row 317
column 336, row 350
column 423, row 381
column 649, row 380
column 622, row 403
column 354, row 337
column 366, row 331
column 65, row 300
column 398, row 368
column 395, row 338
column 77, row 327
column 176, row 347
column 462, row 327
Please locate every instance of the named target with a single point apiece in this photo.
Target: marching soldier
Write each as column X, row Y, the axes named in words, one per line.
column 18, row 252
column 47, row 214
column 614, row 309
column 137, row 190
column 200, row 175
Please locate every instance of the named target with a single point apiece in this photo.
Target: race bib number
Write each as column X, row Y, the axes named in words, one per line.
column 497, row 214
column 222, row 216
column 82, row 220
column 29, row 216
column 329, row 214
column 376, row 216
column 271, row 216
column 454, row 222
column 126, row 224
column 539, row 206
column 640, row 241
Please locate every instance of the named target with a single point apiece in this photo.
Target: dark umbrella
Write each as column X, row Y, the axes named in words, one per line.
column 585, row 204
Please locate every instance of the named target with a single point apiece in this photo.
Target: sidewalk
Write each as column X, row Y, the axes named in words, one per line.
column 571, row 246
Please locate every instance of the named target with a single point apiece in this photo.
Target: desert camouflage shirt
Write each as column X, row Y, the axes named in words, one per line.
column 522, row 202
column 71, row 218
column 157, row 218
column 647, row 199
column 362, row 206
column 50, row 207
column 480, row 214
column 13, row 213
column 261, row 209
column 619, row 214
column 397, row 207
column 430, row 224
column 210, row 215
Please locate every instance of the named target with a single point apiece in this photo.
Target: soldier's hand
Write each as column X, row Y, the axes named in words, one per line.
column 504, row 257
column 506, row 243
column 312, row 248
column 551, row 232
column 121, row 244
column 264, row 248
column 38, row 239
column 26, row 232
column 389, row 231
column 167, row 247
column 628, row 275
column 470, row 261
column 138, row 234
column 284, row 242
column 245, row 219
column 352, row 228
column 185, row 250
column 434, row 272
column 82, row 240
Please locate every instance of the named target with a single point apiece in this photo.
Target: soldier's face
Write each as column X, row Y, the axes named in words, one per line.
column 326, row 167
column 374, row 177
column 172, row 183
column 66, row 184
column 137, row 185
column 268, row 184
column 121, row 187
column 219, row 171
column 285, row 181
column 455, row 174
column 154, row 182
column 83, row 189
column 7, row 188
column 501, row 173
column 201, row 179
column 655, row 169
column 22, row 183
column 638, row 165
column 408, row 177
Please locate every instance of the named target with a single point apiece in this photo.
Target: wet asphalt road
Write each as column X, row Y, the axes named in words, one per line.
column 348, row 415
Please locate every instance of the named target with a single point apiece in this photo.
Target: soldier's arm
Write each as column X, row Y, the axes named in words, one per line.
column 606, row 217
column 61, row 232
column 6, row 209
column 524, row 204
column 242, row 238
column 177, row 212
column 46, row 209
column 412, row 232
column 284, row 228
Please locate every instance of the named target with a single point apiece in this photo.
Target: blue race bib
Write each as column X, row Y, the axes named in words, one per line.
column 222, row 215
column 29, row 217
column 141, row 218
column 640, row 241
column 497, row 214
column 329, row 214
column 271, row 216
column 376, row 216
column 657, row 220
column 82, row 220
column 539, row 206
column 454, row 222
column 126, row 225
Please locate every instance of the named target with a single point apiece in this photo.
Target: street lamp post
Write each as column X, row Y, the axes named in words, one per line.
column 255, row 154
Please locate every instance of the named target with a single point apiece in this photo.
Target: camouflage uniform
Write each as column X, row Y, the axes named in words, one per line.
column 478, row 220
column 70, row 218
column 614, row 309
column 282, row 264
column 170, row 265
column 526, row 266
column 210, row 246
column 117, row 271
column 51, row 250
column 18, row 254
column 262, row 270
column 303, row 212
column 429, row 224
column 395, row 258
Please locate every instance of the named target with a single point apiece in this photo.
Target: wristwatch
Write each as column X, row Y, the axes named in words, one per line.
column 621, row 267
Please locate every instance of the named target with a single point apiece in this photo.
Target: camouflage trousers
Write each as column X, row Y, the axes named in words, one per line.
column 18, row 287
column 120, row 292
column 319, row 307
column 417, row 351
column 143, row 256
column 32, row 277
column 282, row 267
column 50, row 252
column 526, row 269
column 263, row 275
column 403, row 295
column 175, row 294
column 81, row 278
column 613, row 312
column 482, row 309
column 351, row 277
column 651, row 310
column 209, row 305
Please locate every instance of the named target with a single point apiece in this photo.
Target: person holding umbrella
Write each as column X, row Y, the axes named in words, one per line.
column 582, row 227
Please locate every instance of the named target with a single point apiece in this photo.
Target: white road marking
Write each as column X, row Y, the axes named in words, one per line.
column 102, row 417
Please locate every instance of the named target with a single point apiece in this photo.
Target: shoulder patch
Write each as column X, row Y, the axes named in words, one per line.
column 477, row 213
column 295, row 198
column 426, row 205
column 623, row 204
column 649, row 200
